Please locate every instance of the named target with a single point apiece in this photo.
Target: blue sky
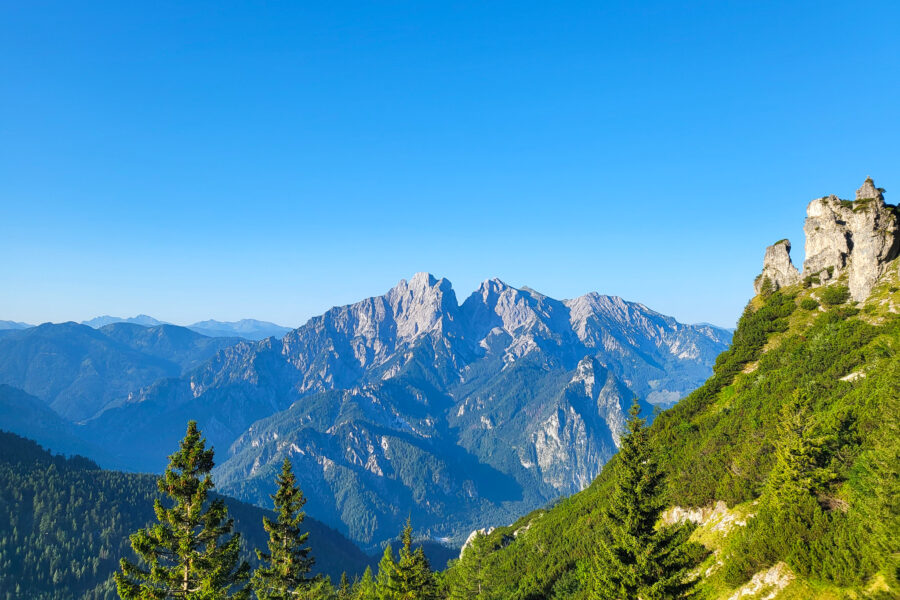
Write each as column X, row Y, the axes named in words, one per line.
column 272, row 159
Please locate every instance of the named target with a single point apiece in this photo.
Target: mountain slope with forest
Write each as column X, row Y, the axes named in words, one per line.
column 64, row 524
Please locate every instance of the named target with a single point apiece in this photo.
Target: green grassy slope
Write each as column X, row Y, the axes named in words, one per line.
column 841, row 361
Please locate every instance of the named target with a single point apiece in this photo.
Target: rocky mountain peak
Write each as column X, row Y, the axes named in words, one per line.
column 844, row 238
column 491, row 288
column 497, row 304
column 421, row 304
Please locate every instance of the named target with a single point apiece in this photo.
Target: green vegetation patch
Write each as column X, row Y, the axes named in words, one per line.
column 835, row 295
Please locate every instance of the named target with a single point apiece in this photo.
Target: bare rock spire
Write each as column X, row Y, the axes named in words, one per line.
column 778, row 269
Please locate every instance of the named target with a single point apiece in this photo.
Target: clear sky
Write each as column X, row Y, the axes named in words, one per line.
column 195, row 160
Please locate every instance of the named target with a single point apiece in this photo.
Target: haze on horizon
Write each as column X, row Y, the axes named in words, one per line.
column 225, row 161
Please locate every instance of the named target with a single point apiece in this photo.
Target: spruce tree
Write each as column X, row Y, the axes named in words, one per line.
column 364, row 589
column 406, row 575
column 343, row 592
column 183, row 555
column 634, row 558
column 286, row 566
column 469, row 581
column 796, row 473
column 413, row 579
column 386, row 579
column 424, row 577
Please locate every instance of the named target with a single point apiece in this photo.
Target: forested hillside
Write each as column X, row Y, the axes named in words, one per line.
column 64, row 525
column 786, row 461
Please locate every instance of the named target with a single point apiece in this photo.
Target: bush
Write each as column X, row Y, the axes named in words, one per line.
column 835, row 295
column 809, row 304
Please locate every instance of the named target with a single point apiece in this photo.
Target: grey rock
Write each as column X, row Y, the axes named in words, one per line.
column 869, row 191
column 852, row 239
column 777, row 267
column 827, row 247
column 858, row 238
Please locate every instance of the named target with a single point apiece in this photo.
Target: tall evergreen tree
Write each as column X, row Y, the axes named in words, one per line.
column 469, row 581
column 183, row 554
column 286, row 566
column 343, row 592
column 424, row 576
column 796, row 473
column 364, row 589
column 413, row 578
column 386, row 579
column 634, row 558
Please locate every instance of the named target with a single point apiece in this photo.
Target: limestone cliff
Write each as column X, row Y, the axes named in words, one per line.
column 856, row 239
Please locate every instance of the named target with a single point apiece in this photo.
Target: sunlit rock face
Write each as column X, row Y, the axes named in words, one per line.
column 852, row 238
column 859, row 237
column 778, row 269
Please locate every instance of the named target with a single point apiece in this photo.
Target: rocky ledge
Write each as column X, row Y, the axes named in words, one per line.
column 853, row 237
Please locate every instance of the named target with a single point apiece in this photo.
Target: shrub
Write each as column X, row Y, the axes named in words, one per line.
column 809, row 304
column 835, row 295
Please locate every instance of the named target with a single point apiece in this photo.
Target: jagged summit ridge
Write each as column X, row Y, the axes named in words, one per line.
column 856, row 239
column 415, row 401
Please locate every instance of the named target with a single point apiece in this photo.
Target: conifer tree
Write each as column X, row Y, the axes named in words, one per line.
column 469, row 581
column 364, row 589
column 424, row 577
column 386, row 579
column 634, row 559
column 183, row 554
column 796, row 474
column 413, row 578
column 287, row 564
column 343, row 592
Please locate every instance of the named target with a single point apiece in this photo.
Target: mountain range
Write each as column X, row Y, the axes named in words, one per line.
column 405, row 404
column 78, row 370
column 249, row 329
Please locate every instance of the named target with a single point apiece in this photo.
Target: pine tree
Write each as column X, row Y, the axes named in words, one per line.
column 424, row 577
column 634, row 559
column 343, row 592
column 288, row 562
column 183, row 553
column 386, row 579
column 364, row 589
column 469, row 581
column 405, row 580
column 319, row 589
column 413, row 579
column 796, row 473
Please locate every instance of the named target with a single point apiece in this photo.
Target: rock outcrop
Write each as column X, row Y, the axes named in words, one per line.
column 856, row 239
column 777, row 268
